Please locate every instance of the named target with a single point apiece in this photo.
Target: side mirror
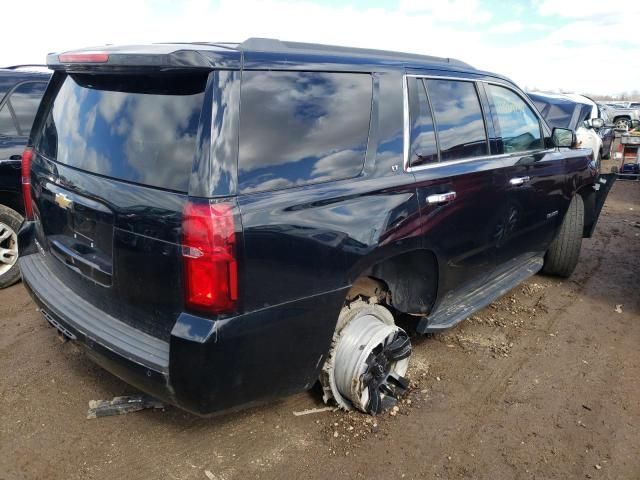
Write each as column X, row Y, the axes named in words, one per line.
column 563, row 137
column 597, row 123
column 635, row 123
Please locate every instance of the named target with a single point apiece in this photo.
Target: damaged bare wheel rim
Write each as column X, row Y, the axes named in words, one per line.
column 8, row 248
column 370, row 356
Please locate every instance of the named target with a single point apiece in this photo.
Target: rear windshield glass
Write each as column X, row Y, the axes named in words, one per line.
column 137, row 128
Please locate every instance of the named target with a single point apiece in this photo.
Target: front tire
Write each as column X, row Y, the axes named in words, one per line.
column 562, row 257
column 10, row 222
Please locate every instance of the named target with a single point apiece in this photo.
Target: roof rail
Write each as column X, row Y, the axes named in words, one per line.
column 275, row 45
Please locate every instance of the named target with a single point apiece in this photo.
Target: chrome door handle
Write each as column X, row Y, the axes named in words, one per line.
column 519, row 180
column 441, row 198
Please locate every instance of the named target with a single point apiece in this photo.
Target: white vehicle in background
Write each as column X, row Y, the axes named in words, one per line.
column 575, row 112
column 604, row 129
column 635, row 106
column 621, row 115
column 588, row 138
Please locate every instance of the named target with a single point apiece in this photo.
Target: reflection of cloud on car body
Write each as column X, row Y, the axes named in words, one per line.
column 322, row 115
column 125, row 134
column 72, row 142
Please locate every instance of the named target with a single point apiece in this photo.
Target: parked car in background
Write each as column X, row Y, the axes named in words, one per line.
column 21, row 89
column 223, row 224
column 606, row 132
column 620, row 115
column 560, row 110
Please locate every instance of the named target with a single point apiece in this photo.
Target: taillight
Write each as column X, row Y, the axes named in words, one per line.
column 84, row 57
column 209, row 256
column 27, row 156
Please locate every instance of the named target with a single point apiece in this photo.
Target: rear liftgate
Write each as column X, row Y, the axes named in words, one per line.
column 368, row 359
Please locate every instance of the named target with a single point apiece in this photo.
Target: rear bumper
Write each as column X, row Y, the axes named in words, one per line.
column 208, row 365
column 134, row 356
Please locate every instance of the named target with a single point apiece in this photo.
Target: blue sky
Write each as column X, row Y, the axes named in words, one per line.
column 574, row 45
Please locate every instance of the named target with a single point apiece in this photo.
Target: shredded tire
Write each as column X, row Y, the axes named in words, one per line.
column 562, row 257
column 368, row 359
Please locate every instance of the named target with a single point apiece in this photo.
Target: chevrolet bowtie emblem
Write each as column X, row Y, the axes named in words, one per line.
column 63, row 201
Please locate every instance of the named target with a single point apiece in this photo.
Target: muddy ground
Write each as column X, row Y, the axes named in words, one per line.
column 544, row 383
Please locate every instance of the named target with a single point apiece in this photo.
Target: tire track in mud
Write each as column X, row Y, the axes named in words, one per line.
column 489, row 393
column 492, row 390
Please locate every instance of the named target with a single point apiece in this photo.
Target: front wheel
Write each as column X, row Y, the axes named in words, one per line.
column 10, row 222
column 562, row 257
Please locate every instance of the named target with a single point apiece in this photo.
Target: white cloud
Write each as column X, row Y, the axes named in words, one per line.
column 589, row 52
column 454, row 11
column 514, row 26
column 596, row 9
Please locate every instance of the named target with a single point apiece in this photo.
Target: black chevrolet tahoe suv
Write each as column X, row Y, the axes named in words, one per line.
column 21, row 88
column 223, row 224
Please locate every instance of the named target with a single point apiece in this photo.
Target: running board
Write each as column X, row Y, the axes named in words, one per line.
column 457, row 306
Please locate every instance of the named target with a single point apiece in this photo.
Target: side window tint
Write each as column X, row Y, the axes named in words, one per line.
column 459, row 121
column 423, row 138
column 298, row 128
column 7, row 127
column 25, row 100
column 519, row 126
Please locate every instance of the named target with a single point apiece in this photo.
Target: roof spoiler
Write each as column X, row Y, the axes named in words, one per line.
column 157, row 56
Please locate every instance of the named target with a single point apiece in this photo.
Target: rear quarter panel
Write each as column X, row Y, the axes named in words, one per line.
column 308, row 240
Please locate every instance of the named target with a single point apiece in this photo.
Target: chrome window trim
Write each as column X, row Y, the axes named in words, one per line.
column 456, row 162
column 407, row 126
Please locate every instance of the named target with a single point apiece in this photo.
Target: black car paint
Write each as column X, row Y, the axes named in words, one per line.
column 301, row 248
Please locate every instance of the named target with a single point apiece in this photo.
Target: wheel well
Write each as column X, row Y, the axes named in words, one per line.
column 13, row 201
column 408, row 282
column 620, row 117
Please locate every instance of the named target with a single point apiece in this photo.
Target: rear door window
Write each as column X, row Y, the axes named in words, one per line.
column 25, row 100
column 458, row 118
column 519, row 127
column 137, row 128
column 298, row 128
column 423, row 148
column 7, row 126
column 18, row 112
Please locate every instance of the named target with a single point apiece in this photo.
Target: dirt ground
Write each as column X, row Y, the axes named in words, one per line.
column 542, row 384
